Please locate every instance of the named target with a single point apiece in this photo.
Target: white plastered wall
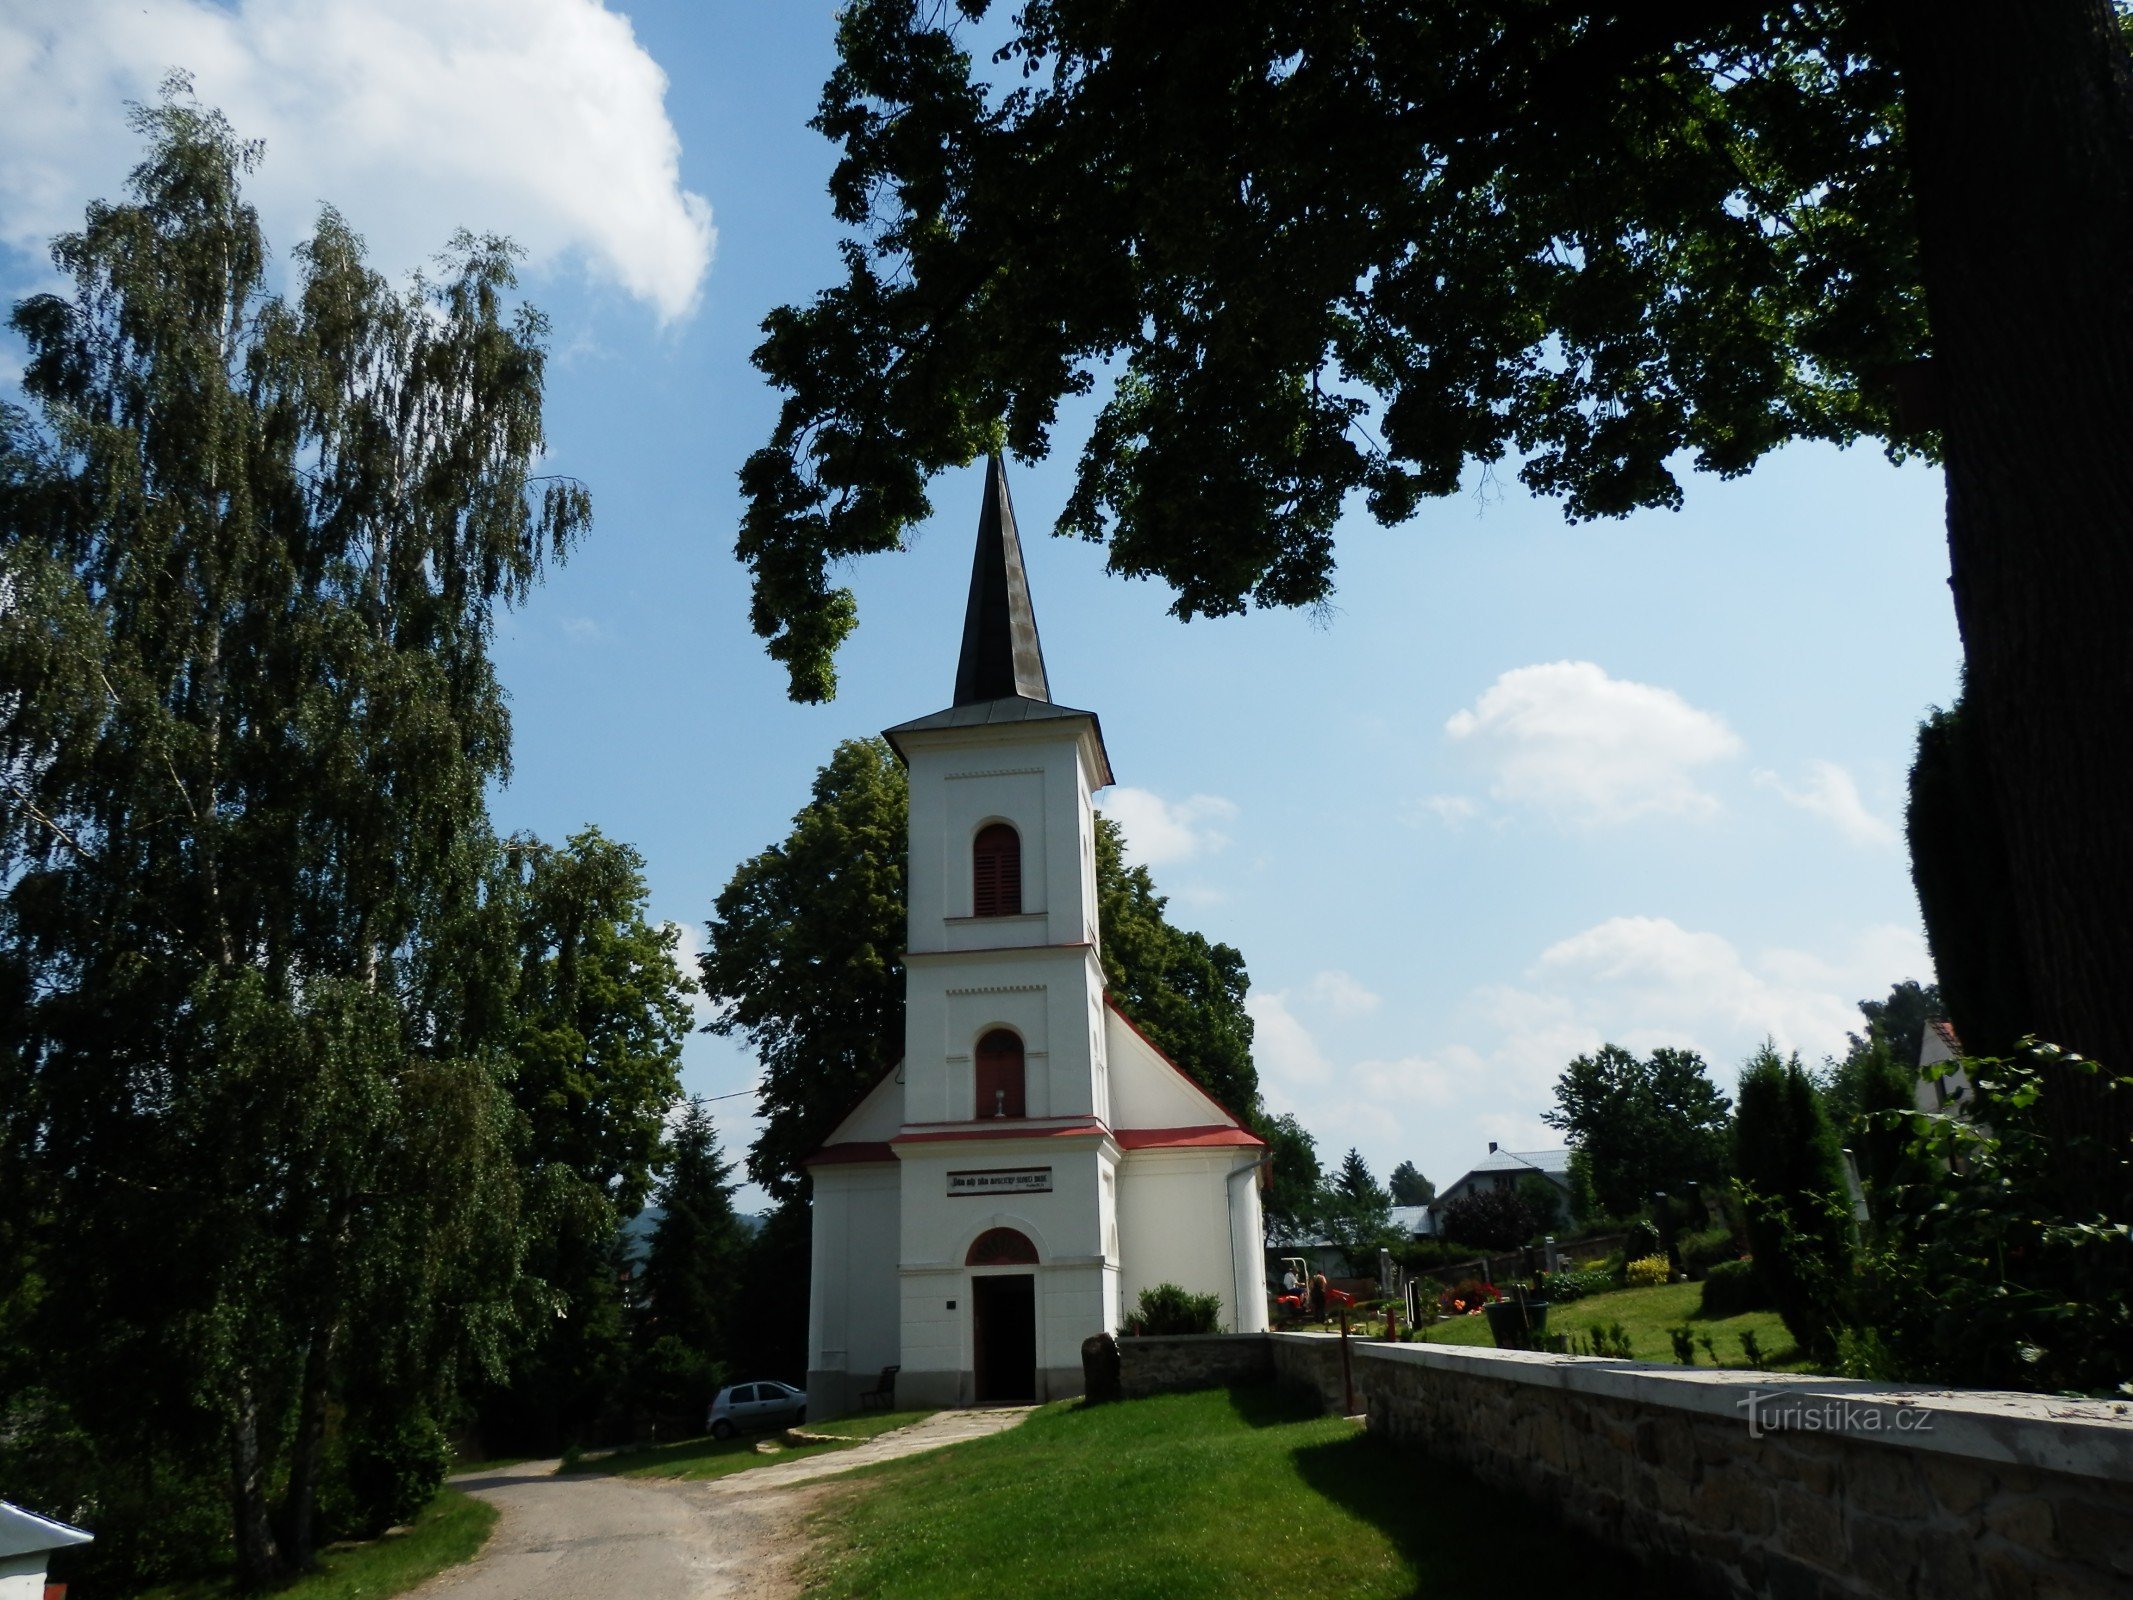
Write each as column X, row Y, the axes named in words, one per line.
column 1067, row 1226
column 1040, row 994
column 854, row 1305
column 1147, row 1091
column 1191, row 1217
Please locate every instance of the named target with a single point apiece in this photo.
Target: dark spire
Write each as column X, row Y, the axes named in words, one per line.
column 1001, row 655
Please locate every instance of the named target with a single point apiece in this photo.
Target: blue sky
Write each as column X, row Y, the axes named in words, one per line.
column 1525, row 788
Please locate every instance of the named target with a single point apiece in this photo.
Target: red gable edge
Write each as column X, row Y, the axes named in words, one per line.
column 1200, row 1088
column 1015, row 1128
column 1184, row 1138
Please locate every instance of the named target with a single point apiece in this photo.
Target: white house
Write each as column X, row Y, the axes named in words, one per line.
column 27, row 1542
column 1938, row 1043
column 1033, row 1163
column 1506, row 1169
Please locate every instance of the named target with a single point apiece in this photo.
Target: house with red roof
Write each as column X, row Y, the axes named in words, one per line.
column 1033, row 1163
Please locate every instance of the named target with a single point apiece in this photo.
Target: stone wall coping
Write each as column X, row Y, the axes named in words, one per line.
column 2086, row 1438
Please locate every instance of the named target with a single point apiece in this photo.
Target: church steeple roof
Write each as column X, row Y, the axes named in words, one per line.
column 999, row 678
column 1002, row 655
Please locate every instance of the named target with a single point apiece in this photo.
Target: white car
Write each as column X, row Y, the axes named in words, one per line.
column 756, row 1405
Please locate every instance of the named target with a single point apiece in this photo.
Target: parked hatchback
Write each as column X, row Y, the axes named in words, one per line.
column 756, row 1405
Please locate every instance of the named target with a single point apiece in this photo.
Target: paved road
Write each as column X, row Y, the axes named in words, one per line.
column 588, row 1537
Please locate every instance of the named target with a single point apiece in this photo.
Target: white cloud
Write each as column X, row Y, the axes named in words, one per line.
column 1159, row 831
column 688, row 954
column 1565, row 738
column 541, row 119
column 1647, row 980
column 1453, row 810
column 1341, row 994
column 1282, row 1047
column 1831, row 795
column 1436, row 1089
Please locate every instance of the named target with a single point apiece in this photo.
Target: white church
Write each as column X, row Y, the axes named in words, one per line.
column 1033, row 1163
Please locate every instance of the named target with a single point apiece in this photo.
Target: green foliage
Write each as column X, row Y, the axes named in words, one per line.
column 803, row 957
column 1409, row 1187
column 1967, row 891
column 1492, row 1219
column 1751, row 1349
column 1647, row 1272
column 1354, row 1213
column 1731, row 1287
column 1725, row 256
column 1684, row 1339
column 671, row 1386
column 1705, row 1248
column 598, row 1003
column 1793, row 1195
column 1185, row 993
column 1571, row 1285
column 1985, row 1269
column 689, row 1293
column 1291, row 1197
column 1640, row 1125
column 255, row 995
column 1899, row 1022
column 393, row 1471
column 1167, row 1308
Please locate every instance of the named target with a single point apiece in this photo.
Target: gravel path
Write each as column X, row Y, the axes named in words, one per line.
column 588, row 1537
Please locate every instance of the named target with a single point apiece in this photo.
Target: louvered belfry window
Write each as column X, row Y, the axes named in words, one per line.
column 1000, row 1075
column 996, row 872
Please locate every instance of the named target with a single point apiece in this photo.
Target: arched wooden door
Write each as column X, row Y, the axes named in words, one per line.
column 1004, row 1317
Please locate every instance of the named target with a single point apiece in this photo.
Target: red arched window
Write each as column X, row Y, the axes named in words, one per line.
column 1001, row 1247
column 996, row 872
column 1000, row 1075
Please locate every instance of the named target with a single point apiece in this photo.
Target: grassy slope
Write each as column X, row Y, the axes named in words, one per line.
column 716, row 1458
column 1647, row 1314
column 1214, row 1494
column 452, row 1530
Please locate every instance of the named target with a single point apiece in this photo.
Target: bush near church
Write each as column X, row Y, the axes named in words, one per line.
column 1167, row 1309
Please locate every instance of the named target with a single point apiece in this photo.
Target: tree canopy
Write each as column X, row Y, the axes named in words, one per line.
column 1409, row 1187
column 802, row 955
column 1640, row 1125
column 1311, row 253
column 256, row 998
column 804, row 945
column 1355, row 1213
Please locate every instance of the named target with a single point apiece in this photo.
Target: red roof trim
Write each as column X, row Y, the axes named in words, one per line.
column 850, row 1153
column 1199, row 1088
column 1017, row 1129
column 1185, row 1138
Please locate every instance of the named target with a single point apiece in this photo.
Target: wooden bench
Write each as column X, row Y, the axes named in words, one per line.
column 883, row 1395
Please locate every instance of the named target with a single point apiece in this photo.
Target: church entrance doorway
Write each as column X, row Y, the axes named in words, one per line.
column 1005, row 1313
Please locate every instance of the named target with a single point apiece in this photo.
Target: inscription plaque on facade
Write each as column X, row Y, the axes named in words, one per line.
column 1018, row 1180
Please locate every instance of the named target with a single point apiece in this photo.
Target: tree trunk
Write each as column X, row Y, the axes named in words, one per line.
column 259, row 1559
column 300, row 1500
column 2020, row 133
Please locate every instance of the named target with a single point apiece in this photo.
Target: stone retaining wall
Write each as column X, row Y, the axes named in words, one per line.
column 1844, row 1490
column 1168, row 1363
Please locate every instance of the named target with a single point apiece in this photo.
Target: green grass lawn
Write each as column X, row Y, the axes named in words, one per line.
column 1214, row 1494
column 716, row 1458
column 1647, row 1315
column 452, row 1530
